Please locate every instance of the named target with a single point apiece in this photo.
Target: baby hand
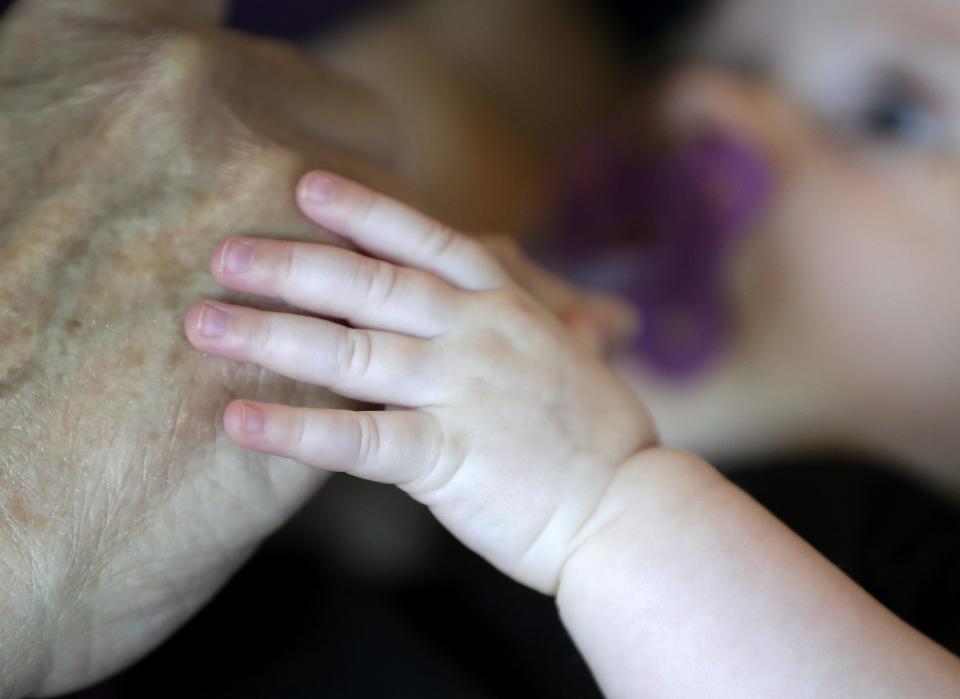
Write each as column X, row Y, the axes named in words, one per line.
column 501, row 422
column 603, row 322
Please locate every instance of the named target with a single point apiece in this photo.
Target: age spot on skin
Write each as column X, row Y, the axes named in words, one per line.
column 134, row 358
column 178, row 354
column 16, row 510
column 18, row 345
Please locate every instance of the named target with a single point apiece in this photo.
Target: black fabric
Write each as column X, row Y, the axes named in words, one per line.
column 641, row 20
column 898, row 539
column 295, row 19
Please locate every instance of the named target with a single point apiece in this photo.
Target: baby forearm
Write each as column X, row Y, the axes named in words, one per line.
column 692, row 589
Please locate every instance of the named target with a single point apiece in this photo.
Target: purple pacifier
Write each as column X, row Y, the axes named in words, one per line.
column 659, row 230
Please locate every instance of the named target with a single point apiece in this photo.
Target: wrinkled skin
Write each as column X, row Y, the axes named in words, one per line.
column 131, row 142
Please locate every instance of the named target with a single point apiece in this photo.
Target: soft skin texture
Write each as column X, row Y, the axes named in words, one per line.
column 526, row 447
column 133, row 137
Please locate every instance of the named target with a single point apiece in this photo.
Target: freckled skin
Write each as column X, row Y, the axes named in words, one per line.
column 130, row 144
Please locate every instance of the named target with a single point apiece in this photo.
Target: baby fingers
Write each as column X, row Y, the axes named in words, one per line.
column 391, row 230
column 399, row 447
column 336, row 282
column 367, row 365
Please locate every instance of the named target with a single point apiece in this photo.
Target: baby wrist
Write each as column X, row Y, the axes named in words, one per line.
column 654, row 494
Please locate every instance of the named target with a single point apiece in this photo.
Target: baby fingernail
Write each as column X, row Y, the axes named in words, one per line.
column 318, row 187
column 212, row 321
column 252, row 419
column 236, row 257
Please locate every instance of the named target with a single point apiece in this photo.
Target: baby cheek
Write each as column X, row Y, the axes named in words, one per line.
column 872, row 275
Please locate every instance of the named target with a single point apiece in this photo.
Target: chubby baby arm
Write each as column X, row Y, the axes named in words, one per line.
column 687, row 587
column 671, row 580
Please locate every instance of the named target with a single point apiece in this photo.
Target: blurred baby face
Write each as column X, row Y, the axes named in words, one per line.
column 847, row 297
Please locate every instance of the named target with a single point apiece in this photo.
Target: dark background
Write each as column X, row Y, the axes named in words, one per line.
column 636, row 19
